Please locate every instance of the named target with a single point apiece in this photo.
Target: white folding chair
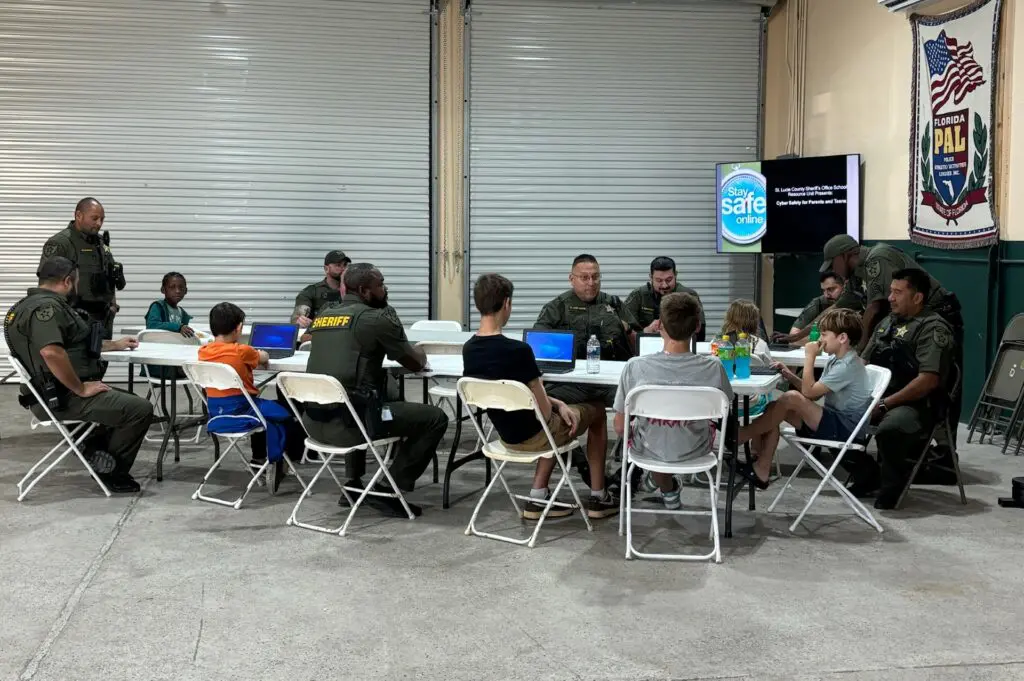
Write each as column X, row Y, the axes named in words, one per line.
column 879, row 377
column 216, row 376
column 306, row 347
column 154, row 382
column 514, row 396
column 71, row 439
column 674, row 403
column 326, row 390
column 436, row 325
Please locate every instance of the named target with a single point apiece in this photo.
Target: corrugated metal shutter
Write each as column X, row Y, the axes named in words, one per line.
column 594, row 127
column 236, row 142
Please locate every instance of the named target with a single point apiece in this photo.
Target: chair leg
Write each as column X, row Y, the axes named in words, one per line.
column 71, row 441
column 714, row 518
column 917, row 467
column 471, row 527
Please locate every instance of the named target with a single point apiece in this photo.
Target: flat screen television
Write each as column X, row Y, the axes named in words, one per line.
column 789, row 205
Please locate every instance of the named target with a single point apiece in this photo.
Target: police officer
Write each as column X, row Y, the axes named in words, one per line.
column 586, row 311
column 915, row 344
column 831, row 289
column 56, row 345
column 329, row 290
column 644, row 303
column 874, row 267
column 100, row 275
column 350, row 341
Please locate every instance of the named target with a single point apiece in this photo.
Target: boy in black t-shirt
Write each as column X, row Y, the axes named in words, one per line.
column 492, row 356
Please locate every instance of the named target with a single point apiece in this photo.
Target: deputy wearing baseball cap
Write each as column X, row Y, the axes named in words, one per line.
column 317, row 296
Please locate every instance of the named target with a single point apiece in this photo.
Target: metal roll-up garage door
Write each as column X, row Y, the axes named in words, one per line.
column 595, row 127
column 233, row 141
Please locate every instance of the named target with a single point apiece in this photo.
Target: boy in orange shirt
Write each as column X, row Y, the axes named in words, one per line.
column 226, row 322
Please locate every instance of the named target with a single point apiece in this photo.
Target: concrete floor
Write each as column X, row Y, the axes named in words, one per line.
column 157, row 586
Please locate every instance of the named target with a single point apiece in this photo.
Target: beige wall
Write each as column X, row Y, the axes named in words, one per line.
column 449, row 249
column 857, row 100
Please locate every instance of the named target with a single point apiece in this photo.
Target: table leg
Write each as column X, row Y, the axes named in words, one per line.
column 426, row 400
column 167, row 431
column 450, row 468
column 734, row 459
column 131, row 378
column 173, row 418
column 746, row 445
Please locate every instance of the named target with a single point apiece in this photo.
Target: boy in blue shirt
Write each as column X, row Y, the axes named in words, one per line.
column 844, row 384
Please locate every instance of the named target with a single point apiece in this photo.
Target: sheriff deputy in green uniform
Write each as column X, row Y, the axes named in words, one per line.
column 586, row 311
column 644, row 303
column 327, row 291
column 915, row 344
column 56, row 345
column 831, row 289
column 100, row 275
column 350, row 341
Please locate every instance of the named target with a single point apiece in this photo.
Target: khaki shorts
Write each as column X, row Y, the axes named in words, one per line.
column 588, row 414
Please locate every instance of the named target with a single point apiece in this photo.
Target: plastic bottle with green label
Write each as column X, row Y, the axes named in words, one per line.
column 725, row 355
column 741, row 353
column 815, row 333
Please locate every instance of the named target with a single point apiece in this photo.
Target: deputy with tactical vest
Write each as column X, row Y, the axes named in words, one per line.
column 644, row 303
column 101, row 276
column 350, row 341
column 315, row 297
column 586, row 311
column 59, row 348
column 917, row 346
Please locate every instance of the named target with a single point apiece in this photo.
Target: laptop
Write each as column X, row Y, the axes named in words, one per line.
column 553, row 350
column 649, row 344
column 277, row 340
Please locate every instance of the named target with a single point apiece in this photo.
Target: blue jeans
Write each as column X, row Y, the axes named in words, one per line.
column 234, row 415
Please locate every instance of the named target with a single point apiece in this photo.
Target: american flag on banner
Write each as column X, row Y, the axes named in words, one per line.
column 954, row 71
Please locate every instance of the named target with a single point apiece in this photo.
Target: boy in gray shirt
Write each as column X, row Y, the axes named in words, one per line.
column 671, row 441
column 844, row 384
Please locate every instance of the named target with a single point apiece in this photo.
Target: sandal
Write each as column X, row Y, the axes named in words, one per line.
column 747, row 471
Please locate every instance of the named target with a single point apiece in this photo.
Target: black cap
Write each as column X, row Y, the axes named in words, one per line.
column 337, row 258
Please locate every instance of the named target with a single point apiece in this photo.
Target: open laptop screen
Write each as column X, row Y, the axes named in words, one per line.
column 273, row 336
column 649, row 344
column 551, row 346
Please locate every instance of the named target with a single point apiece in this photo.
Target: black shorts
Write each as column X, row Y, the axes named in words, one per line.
column 832, row 426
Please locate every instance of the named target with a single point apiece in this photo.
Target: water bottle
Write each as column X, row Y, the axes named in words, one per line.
column 725, row 354
column 815, row 333
column 593, row 355
column 742, row 355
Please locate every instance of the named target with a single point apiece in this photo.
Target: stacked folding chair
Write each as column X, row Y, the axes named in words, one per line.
column 73, row 434
column 879, row 377
column 319, row 389
column 1000, row 407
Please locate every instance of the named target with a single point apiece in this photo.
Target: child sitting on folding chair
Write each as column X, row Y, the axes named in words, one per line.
column 166, row 315
column 226, row 322
column 743, row 316
column 671, row 441
column 844, row 384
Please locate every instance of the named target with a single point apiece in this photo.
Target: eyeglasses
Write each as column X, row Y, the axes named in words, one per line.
column 586, row 278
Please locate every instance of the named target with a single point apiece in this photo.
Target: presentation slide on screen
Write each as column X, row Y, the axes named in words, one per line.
column 787, row 206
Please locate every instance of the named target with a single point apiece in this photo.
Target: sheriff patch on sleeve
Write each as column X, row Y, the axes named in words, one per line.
column 337, row 321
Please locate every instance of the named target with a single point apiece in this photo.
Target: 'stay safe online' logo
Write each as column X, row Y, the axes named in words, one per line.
column 743, row 206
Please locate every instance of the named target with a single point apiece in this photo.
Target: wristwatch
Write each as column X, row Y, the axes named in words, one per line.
column 883, row 408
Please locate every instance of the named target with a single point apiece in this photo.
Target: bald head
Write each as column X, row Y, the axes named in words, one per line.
column 89, row 216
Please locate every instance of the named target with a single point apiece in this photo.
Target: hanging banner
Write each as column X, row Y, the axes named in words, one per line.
column 952, row 133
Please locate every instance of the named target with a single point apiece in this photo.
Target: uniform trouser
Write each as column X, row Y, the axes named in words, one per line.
column 900, row 436
column 421, row 427
column 108, row 332
column 124, row 419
